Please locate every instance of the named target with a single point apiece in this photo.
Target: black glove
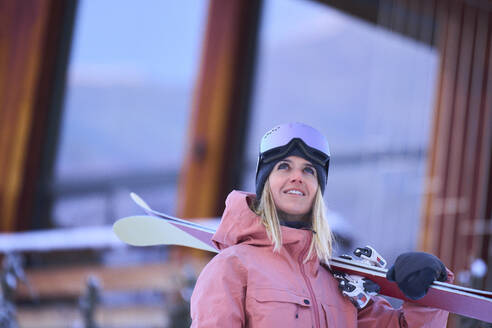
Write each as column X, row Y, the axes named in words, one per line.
column 414, row 272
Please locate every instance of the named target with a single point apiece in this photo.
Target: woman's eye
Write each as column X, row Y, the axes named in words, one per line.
column 309, row 170
column 282, row 166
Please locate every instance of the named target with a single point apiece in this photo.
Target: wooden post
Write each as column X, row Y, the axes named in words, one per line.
column 214, row 154
column 34, row 44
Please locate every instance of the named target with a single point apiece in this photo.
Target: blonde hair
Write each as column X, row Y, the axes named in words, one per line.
column 321, row 244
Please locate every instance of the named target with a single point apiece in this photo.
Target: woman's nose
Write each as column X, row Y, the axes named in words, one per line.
column 296, row 175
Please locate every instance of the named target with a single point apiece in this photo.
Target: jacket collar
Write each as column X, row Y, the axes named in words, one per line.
column 240, row 225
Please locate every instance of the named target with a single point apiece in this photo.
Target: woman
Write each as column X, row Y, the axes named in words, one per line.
column 272, row 272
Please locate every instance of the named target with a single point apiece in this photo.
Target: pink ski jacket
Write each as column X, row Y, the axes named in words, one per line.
column 248, row 285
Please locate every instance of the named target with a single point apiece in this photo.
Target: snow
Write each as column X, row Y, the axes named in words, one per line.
column 60, row 239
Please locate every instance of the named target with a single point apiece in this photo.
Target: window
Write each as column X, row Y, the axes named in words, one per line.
column 370, row 92
column 131, row 75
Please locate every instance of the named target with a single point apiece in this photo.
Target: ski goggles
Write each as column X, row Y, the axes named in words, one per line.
column 278, row 142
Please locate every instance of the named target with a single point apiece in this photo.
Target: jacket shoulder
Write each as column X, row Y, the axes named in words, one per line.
column 237, row 253
column 234, row 258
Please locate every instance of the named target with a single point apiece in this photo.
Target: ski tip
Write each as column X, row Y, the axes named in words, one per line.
column 126, row 229
column 118, row 230
column 139, row 201
column 147, row 230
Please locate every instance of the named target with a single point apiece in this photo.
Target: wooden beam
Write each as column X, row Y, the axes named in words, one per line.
column 34, row 47
column 430, row 222
column 70, row 282
column 214, row 155
column 410, row 18
column 367, row 10
column 483, row 245
column 62, row 316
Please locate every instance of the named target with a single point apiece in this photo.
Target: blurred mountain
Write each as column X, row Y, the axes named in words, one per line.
column 364, row 87
column 122, row 128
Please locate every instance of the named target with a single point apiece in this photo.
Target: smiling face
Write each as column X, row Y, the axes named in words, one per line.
column 293, row 184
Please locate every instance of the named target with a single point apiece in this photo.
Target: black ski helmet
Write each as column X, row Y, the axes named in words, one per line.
column 290, row 139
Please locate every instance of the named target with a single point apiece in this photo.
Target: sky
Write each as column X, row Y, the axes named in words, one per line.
column 133, row 41
column 128, row 41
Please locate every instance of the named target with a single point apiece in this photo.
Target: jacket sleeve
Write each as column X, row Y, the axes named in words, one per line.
column 219, row 294
column 381, row 314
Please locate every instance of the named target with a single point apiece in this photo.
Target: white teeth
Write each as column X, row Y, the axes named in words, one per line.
column 295, row 192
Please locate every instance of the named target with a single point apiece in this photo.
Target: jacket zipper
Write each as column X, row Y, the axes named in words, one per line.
column 308, row 283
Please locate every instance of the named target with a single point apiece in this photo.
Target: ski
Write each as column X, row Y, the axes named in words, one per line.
column 161, row 229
